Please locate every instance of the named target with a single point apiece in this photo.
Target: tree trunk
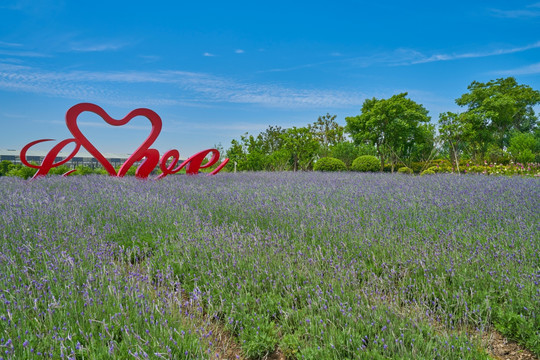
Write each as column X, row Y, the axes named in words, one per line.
column 381, row 156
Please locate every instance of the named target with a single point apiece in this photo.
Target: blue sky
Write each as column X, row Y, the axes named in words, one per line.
column 213, row 69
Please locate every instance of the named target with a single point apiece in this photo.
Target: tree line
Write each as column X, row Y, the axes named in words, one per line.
column 497, row 125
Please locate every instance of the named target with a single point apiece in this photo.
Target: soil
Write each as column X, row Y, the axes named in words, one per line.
column 503, row 349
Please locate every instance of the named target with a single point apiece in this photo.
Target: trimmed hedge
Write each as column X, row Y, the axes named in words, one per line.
column 427, row 172
column 405, row 170
column 329, row 164
column 366, row 163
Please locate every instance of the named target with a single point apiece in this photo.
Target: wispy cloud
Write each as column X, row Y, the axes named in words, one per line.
column 97, row 47
column 150, row 58
column 207, row 54
column 239, row 51
column 530, row 11
column 406, row 57
column 421, row 58
column 9, row 44
column 181, row 87
column 524, row 70
column 17, row 53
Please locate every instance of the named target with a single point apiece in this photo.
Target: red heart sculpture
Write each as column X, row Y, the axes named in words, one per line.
column 142, row 151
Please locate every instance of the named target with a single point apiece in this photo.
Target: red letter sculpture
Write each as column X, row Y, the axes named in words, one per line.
column 151, row 156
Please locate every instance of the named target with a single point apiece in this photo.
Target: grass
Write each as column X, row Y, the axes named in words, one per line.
column 319, row 266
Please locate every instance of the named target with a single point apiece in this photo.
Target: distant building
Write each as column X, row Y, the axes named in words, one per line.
column 13, row 156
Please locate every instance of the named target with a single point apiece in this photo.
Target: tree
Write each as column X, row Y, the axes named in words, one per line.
column 301, row 145
column 524, row 147
column 272, row 139
column 327, row 132
column 345, row 151
column 236, row 155
column 452, row 135
column 391, row 125
column 496, row 109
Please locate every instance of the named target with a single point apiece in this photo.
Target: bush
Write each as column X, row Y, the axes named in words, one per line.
column 5, row 167
column 405, row 170
column 366, row 163
column 329, row 164
column 417, row 166
column 427, row 172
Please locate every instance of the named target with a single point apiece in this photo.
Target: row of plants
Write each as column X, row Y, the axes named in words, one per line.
column 368, row 163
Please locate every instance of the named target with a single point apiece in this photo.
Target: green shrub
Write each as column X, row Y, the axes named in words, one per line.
column 59, row 170
column 417, row 167
column 329, row 164
column 5, row 167
column 366, row 163
column 427, row 172
column 405, row 170
column 22, row 171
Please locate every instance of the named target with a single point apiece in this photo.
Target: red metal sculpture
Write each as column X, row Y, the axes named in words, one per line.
column 149, row 156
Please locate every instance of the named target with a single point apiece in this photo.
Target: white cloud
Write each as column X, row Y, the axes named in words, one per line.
column 524, row 70
column 181, row 87
column 22, row 53
column 97, row 47
column 207, row 54
column 530, row 11
column 10, row 44
column 239, row 51
column 447, row 57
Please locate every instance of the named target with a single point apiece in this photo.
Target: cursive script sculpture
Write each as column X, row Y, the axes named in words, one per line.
column 151, row 156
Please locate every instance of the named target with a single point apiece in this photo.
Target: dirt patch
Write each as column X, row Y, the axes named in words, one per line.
column 276, row 355
column 503, row 349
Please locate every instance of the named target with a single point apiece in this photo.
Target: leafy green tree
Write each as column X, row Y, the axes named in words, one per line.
column 279, row 160
column 422, row 146
column 524, row 147
column 452, row 135
column 248, row 153
column 345, row 151
column 301, row 145
column 327, row 132
column 236, row 155
column 496, row 109
column 391, row 125
column 271, row 139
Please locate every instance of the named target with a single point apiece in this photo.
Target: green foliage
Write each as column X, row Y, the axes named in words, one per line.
column 524, row 147
column 327, row 132
column 329, row 164
column 258, row 337
column 302, row 146
column 405, row 170
column 496, row 109
column 366, row 163
column 5, row 167
column 427, row 172
column 22, row 171
column 83, row 170
column 393, row 126
column 59, row 170
column 345, row 151
column 279, row 160
column 290, row 345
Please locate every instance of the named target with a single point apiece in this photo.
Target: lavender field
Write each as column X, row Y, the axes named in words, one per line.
column 304, row 265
